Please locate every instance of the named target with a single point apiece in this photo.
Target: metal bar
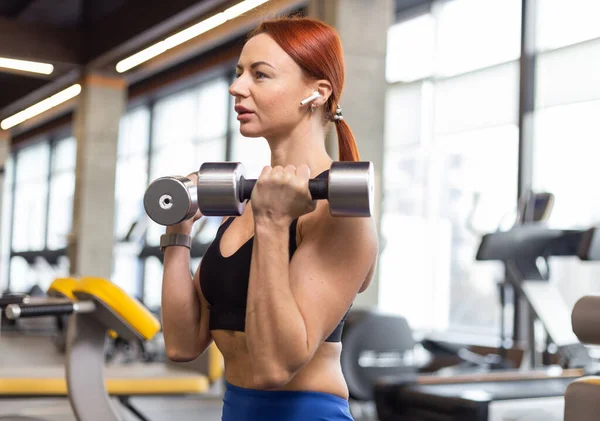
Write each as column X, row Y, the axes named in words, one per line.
column 526, row 107
column 12, row 216
column 527, row 81
column 141, row 259
column 51, row 145
column 51, row 256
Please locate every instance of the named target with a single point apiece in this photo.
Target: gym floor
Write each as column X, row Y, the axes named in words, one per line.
column 33, row 352
column 156, row 409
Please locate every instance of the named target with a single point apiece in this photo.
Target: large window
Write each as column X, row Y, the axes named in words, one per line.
column 31, row 195
column 472, row 34
column 561, row 23
column 568, row 75
column 565, row 128
column 456, row 37
column 131, row 180
column 451, row 161
column 62, row 189
column 565, row 162
column 410, row 47
column 44, row 182
column 132, row 168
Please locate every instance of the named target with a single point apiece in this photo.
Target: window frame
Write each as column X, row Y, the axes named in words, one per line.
column 525, row 86
column 30, row 256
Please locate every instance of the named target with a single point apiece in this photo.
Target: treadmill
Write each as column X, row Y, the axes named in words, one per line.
column 534, row 392
column 523, row 396
column 534, row 297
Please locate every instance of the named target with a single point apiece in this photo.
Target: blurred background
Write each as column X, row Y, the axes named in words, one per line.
column 475, row 113
column 468, row 104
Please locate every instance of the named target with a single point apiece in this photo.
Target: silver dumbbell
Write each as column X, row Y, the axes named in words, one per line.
column 222, row 190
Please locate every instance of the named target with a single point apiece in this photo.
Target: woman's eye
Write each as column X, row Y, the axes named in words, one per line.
column 260, row 75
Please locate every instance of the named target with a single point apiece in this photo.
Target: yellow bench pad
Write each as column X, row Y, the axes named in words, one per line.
column 131, row 310
column 63, row 286
column 137, row 380
column 126, row 387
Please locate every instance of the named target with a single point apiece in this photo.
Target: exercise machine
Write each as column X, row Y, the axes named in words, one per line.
column 374, row 344
column 533, row 208
column 536, row 395
column 98, row 307
column 377, row 345
column 537, row 390
column 534, row 297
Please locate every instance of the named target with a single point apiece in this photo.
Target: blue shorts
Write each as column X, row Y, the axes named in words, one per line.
column 241, row 404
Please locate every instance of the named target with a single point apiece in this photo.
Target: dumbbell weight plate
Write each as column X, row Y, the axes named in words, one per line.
column 219, row 189
column 171, row 200
column 351, row 188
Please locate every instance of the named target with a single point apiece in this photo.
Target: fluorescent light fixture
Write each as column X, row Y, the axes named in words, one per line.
column 26, row 66
column 187, row 34
column 40, row 107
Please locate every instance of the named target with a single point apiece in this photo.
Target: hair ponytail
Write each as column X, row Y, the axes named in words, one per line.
column 347, row 148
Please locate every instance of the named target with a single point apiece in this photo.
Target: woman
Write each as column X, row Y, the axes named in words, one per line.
column 275, row 285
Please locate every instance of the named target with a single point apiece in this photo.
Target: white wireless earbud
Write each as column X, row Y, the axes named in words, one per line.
column 314, row 96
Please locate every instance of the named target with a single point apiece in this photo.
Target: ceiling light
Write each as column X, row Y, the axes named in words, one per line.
column 40, row 107
column 187, row 34
column 26, row 66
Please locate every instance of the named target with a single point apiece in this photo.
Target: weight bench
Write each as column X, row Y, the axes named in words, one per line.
column 122, row 382
column 97, row 308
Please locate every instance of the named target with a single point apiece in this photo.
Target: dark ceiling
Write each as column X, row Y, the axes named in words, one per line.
column 54, row 14
column 75, row 34
column 78, row 34
column 62, row 13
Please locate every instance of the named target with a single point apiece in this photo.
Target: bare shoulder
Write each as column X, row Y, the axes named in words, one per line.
column 322, row 225
column 341, row 238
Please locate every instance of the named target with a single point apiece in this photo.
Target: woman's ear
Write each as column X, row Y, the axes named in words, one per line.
column 324, row 88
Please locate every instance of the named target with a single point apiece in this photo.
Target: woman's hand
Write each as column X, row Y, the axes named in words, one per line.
column 185, row 227
column 282, row 195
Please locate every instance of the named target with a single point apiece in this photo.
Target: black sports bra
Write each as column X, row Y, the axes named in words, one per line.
column 224, row 282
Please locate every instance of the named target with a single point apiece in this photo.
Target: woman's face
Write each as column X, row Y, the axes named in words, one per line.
column 268, row 89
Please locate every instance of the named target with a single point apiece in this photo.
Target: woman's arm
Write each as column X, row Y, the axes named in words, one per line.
column 294, row 306
column 184, row 310
column 184, row 313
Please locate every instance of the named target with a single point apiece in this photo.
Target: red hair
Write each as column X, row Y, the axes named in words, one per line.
column 317, row 49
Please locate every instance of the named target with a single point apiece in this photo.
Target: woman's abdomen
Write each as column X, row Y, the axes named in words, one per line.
column 322, row 374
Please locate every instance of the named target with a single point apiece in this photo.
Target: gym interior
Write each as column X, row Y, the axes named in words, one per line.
column 480, row 119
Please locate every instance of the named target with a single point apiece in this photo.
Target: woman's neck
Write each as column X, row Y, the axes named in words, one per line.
column 302, row 146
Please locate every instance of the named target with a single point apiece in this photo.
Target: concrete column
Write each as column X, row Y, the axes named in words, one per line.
column 362, row 26
column 5, row 139
column 96, row 128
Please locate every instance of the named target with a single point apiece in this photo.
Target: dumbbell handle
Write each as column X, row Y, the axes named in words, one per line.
column 17, row 311
column 318, row 188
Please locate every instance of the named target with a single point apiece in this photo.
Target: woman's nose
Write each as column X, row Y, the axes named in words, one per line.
column 239, row 87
